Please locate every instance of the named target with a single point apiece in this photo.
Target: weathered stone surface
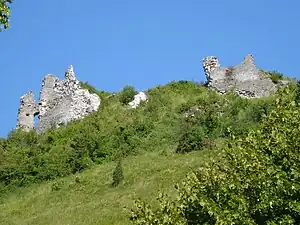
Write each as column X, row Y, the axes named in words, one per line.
column 61, row 101
column 27, row 111
column 138, row 98
column 210, row 63
column 49, row 94
column 245, row 79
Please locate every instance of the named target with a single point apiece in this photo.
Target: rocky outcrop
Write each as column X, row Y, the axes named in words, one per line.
column 245, row 79
column 61, row 101
column 138, row 98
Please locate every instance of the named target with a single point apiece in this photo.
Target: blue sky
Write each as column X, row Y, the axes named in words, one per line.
column 142, row 43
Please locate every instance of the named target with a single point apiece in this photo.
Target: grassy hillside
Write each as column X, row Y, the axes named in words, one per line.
column 92, row 200
column 64, row 176
column 181, row 116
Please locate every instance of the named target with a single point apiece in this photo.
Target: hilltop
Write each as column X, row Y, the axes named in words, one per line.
column 65, row 174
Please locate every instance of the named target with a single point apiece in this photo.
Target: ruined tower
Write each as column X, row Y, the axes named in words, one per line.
column 27, row 111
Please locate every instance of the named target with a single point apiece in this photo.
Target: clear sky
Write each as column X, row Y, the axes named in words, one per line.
column 138, row 42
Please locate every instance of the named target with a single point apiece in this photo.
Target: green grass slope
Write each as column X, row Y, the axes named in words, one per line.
column 88, row 198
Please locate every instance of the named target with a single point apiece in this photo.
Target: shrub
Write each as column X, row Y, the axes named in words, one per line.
column 93, row 90
column 57, row 185
column 297, row 97
column 257, row 181
column 127, row 94
column 21, row 139
column 118, row 176
column 83, row 146
column 54, row 163
column 78, row 179
column 210, row 116
column 192, row 139
column 274, row 75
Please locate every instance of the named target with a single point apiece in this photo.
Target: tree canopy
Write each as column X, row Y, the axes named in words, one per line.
column 4, row 13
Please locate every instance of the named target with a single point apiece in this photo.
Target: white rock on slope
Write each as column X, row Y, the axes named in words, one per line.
column 138, row 98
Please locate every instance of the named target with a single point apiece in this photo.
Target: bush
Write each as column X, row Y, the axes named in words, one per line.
column 297, row 97
column 209, row 117
column 274, row 75
column 257, row 181
column 118, row 176
column 83, row 146
column 192, row 139
column 127, row 94
column 93, row 90
column 57, row 185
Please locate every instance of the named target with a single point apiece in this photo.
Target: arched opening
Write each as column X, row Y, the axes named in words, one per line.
column 35, row 118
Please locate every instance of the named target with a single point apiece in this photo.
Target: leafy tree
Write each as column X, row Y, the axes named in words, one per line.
column 274, row 75
column 118, row 176
column 256, row 182
column 127, row 94
column 4, row 13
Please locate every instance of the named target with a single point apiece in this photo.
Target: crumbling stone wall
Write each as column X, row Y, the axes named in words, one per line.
column 27, row 111
column 245, row 79
column 61, row 101
column 50, row 94
column 209, row 64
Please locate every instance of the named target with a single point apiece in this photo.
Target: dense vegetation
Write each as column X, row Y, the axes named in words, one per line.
column 117, row 130
column 252, row 150
column 257, row 181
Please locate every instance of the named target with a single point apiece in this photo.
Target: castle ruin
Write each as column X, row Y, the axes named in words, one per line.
column 63, row 101
column 60, row 102
column 245, row 79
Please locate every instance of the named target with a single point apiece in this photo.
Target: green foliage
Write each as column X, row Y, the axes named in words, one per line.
column 127, row 94
column 257, row 181
column 178, row 114
column 116, row 131
column 297, row 97
column 92, row 200
column 209, row 117
column 93, row 90
column 56, row 185
column 118, row 175
column 274, row 75
column 191, row 139
column 4, row 13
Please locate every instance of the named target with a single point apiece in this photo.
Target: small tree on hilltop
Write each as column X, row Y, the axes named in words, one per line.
column 127, row 94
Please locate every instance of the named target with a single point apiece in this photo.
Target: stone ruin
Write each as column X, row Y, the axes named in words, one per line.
column 60, row 102
column 27, row 111
column 138, row 99
column 245, row 79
